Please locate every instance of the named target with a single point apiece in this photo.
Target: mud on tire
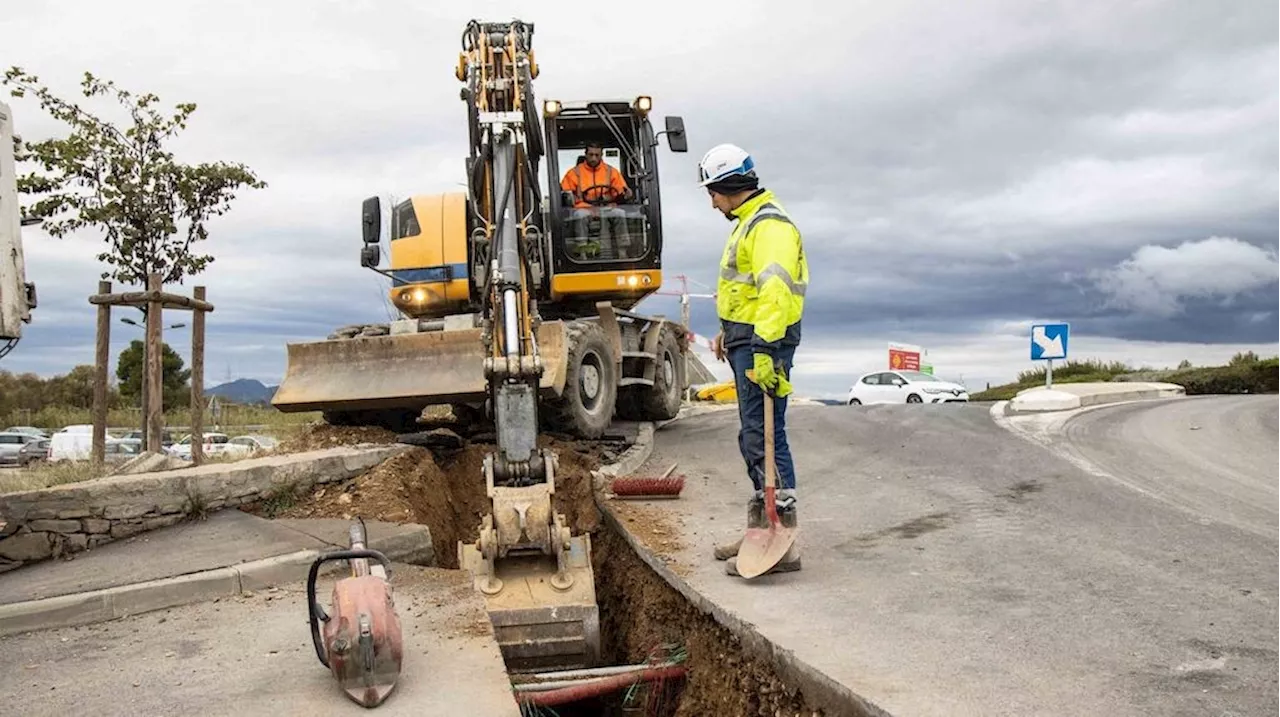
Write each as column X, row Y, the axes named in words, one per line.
column 585, row 408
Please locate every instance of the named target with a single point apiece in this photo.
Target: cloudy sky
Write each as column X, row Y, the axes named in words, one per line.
column 959, row 170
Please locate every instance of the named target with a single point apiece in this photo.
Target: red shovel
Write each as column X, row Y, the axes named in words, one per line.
column 762, row 548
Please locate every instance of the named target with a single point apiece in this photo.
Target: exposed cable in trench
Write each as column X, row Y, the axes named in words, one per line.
column 601, row 686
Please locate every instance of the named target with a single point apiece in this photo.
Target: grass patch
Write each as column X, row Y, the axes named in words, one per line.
column 234, row 420
column 278, row 501
column 1246, row 373
column 1086, row 371
column 46, row 475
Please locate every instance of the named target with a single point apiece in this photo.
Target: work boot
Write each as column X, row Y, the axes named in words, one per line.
column 790, row 562
column 755, row 519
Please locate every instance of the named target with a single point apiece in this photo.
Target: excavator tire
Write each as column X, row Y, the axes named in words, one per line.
column 661, row 401
column 585, row 409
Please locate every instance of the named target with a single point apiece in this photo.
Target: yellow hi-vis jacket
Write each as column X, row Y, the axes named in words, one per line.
column 763, row 277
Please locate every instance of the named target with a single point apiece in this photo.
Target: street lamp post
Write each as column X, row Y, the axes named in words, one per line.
column 144, row 392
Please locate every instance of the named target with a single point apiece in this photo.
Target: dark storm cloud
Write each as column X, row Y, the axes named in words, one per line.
column 954, row 166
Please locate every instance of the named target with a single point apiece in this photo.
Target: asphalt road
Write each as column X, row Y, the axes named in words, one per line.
column 1213, row 456
column 953, row 568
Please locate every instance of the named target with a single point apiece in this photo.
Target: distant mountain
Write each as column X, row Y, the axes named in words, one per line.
column 243, row 390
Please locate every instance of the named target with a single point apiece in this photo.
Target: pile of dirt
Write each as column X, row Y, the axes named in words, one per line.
column 640, row 613
column 445, row 492
column 321, row 436
column 654, row 526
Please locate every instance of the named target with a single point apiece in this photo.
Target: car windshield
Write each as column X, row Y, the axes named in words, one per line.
column 917, row 376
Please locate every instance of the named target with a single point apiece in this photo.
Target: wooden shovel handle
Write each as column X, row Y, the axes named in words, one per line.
column 770, row 465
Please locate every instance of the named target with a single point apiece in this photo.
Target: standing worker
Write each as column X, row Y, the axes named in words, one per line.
column 759, row 299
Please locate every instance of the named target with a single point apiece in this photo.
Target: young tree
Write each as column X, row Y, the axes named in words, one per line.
column 124, row 182
column 173, row 382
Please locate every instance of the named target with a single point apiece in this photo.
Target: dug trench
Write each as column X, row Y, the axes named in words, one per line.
column 642, row 618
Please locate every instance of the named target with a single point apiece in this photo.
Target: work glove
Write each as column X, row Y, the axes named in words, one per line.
column 765, row 376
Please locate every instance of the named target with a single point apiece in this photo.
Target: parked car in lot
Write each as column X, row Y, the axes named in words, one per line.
column 11, row 445
column 34, row 452
column 214, row 444
column 121, row 450
column 166, row 438
column 72, row 443
column 255, row 444
column 904, row 387
column 29, row 430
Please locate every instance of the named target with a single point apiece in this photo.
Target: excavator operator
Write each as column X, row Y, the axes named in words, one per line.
column 596, row 187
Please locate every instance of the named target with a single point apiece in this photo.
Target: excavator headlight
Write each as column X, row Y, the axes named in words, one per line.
column 419, row 295
column 644, row 103
column 633, row 281
column 550, row 108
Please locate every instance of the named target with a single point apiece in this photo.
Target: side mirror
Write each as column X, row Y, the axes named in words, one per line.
column 371, row 213
column 369, row 255
column 676, row 139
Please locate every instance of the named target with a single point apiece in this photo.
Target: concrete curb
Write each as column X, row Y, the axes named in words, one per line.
column 630, row 460
column 112, row 603
column 1055, row 400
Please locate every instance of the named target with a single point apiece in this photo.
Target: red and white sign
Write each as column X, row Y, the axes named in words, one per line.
column 904, row 358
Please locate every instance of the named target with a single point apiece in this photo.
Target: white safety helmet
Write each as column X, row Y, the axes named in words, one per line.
column 722, row 161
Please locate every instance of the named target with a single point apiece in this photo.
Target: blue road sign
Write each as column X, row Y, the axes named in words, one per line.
column 1049, row 341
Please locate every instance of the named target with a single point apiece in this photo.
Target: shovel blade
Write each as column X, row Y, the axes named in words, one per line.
column 763, row 548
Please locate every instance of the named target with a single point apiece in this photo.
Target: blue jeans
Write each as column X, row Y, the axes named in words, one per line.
column 751, row 419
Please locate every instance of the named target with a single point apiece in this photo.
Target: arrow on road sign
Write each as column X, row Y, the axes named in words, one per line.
column 1050, row 348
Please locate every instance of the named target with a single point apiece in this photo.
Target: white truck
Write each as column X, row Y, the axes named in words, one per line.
column 17, row 297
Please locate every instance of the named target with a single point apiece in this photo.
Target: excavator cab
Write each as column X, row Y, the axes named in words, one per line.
column 603, row 245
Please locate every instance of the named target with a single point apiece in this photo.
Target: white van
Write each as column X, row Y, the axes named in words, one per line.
column 73, row 443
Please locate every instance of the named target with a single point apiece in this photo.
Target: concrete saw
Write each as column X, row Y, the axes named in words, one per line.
column 360, row 641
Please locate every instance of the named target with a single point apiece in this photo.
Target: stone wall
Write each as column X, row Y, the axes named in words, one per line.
column 48, row 523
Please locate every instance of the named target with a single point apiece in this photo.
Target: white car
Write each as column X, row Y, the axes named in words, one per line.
column 221, row 444
column 904, row 387
column 214, row 444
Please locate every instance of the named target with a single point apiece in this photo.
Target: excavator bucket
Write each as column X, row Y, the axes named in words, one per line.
column 539, row 590
column 538, row 626
column 402, row 371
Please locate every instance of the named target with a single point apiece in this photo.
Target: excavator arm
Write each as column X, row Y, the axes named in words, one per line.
column 535, row 574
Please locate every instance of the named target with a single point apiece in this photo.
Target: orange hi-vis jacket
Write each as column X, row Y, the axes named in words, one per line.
column 583, row 177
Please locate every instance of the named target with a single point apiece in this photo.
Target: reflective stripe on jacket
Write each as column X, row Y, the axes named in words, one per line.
column 763, row 277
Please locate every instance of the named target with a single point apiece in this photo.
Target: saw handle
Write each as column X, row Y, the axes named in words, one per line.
column 317, row 613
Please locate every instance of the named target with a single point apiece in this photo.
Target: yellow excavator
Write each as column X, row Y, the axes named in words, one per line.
column 517, row 305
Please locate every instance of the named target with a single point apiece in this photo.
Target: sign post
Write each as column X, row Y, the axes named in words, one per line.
column 1049, row 342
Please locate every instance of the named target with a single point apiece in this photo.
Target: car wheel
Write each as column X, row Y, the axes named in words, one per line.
column 855, row 402
column 914, row 398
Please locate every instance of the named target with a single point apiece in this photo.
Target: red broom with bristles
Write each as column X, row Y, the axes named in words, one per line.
column 648, row 488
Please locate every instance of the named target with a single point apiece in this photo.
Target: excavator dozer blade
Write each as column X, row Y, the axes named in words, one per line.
column 407, row 371
column 540, row 627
